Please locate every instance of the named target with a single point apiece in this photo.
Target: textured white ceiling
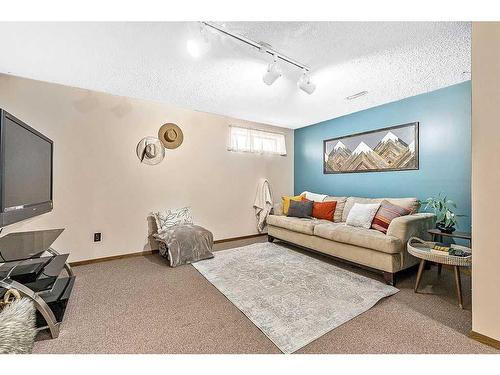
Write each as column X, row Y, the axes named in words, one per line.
column 150, row 61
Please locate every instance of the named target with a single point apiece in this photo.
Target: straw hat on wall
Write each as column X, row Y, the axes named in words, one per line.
column 170, row 135
column 150, row 151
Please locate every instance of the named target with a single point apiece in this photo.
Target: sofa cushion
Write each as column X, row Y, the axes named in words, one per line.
column 277, row 209
column 386, row 213
column 301, row 209
column 296, row 224
column 361, row 215
column 324, row 210
column 369, row 238
column 339, row 208
column 285, row 201
column 315, row 197
column 410, row 203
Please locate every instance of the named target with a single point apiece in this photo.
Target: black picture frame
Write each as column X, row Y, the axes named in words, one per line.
column 337, row 139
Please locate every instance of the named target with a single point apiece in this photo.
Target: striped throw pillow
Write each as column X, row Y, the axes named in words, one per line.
column 386, row 213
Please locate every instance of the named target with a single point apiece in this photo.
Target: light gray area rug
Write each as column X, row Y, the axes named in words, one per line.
column 291, row 297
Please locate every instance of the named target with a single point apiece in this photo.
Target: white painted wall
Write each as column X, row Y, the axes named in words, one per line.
column 100, row 185
column 486, row 178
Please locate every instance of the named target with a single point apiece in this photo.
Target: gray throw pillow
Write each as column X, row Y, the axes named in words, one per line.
column 300, row 208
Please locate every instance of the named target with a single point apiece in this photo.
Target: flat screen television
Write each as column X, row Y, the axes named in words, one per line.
column 25, row 171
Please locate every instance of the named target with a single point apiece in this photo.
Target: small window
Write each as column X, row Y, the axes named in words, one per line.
column 256, row 141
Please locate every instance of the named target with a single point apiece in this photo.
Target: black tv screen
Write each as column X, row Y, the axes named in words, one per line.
column 25, row 170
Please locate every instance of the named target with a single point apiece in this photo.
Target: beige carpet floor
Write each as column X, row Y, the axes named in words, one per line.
column 140, row 305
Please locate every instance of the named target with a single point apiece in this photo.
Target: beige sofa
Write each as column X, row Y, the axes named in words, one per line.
column 366, row 247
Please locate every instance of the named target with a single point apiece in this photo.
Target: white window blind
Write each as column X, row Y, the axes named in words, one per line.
column 256, row 141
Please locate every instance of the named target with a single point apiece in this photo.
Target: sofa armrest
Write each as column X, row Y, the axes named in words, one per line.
column 408, row 226
column 277, row 209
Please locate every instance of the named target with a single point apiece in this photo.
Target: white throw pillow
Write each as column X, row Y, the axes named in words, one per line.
column 361, row 215
column 169, row 218
column 315, row 197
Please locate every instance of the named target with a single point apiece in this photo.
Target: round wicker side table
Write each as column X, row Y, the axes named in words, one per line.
column 422, row 250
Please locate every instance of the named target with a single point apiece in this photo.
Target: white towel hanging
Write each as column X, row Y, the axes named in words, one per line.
column 263, row 204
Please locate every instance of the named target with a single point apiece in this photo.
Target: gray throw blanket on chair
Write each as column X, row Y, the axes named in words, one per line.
column 186, row 243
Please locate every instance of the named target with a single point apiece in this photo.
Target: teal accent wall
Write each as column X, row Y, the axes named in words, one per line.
column 444, row 146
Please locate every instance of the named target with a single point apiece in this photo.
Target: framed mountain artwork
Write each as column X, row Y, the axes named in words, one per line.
column 388, row 149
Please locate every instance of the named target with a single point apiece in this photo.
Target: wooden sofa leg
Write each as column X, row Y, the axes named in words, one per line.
column 270, row 238
column 389, row 278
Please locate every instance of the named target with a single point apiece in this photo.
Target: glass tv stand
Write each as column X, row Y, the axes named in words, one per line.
column 38, row 272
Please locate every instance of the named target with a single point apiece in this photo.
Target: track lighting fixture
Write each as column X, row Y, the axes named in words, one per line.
column 305, row 83
column 272, row 73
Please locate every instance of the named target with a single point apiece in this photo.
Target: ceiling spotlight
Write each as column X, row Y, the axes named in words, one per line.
column 193, row 47
column 264, row 47
column 272, row 73
column 305, row 83
column 198, row 45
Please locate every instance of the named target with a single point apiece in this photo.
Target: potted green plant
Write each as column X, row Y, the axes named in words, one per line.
column 446, row 219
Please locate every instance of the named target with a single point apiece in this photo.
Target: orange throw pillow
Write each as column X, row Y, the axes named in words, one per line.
column 324, row 210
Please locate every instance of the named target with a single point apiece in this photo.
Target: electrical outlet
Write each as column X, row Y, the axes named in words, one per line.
column 97, row 237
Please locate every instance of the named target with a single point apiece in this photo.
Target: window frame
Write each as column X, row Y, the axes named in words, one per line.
column 250, row 150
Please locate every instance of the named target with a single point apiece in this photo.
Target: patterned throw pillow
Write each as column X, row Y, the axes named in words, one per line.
column 286, row 202
column 386, row 213
column 170, row 218
column 361, row 215
column 324, row 210
column 300, row 209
